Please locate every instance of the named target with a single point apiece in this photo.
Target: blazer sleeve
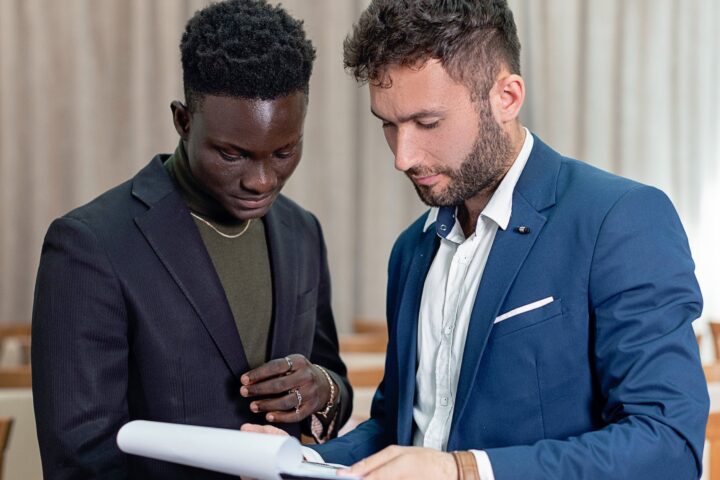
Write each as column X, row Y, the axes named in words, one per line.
column 643, row 299
column 325, row 351
column 79, row 356
column 375, row 433
column 366, row 439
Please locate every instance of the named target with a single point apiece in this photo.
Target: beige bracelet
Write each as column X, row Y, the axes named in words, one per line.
column 466, row 465
column 331, row 402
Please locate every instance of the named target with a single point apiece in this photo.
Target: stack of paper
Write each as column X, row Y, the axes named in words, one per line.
column 234, row 452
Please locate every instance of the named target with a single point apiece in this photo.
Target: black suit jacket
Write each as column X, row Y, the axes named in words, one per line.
column 130, row 321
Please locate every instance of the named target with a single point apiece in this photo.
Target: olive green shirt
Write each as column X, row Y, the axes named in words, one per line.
column 242, row 263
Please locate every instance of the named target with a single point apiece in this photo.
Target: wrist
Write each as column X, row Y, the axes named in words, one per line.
column 333, row 396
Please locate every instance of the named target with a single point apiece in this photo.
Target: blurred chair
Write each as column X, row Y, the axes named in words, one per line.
column 14, row 344
column 364, row 354
column 15, row 356
column 715, row 330
column 5, row 428
column 16, row 377
column 712, row 434
column 369, row 336
column 712, row 372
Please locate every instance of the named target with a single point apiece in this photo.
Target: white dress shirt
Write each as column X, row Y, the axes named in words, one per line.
column 446, row 306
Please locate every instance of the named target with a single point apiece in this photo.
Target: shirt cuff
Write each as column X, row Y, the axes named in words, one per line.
column 313, row 456
column 484, row 467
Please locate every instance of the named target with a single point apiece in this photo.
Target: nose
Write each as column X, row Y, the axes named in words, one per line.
column 259, row 178
column 406, row 150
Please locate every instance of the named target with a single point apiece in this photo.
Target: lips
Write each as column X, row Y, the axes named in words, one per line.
column 425, row 180
column 253, row 203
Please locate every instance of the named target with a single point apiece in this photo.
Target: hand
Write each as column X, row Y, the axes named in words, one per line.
column 266, row 429
column 399, row 463
column 277, row 378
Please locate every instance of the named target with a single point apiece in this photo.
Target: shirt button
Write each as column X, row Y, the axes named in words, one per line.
column 448, row 330
column 444, row 401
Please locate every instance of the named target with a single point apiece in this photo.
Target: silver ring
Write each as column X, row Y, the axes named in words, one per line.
column 299, row 399
column 289, row 362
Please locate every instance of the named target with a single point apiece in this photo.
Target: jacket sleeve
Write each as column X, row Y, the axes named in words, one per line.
column 643, row 299
column 376, row 433
column 366, row 439
column 325, row 351
column 79, row 356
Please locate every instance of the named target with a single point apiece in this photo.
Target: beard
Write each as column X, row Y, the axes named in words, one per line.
column 482, row 169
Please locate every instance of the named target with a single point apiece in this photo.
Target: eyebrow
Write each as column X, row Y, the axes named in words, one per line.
column 244, row 149
column 413, row 116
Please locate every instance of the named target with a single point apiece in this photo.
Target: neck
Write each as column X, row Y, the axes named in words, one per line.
column 470, row 210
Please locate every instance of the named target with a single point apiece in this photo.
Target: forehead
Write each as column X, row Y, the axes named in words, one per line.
column 424, row 87
column 227, row 118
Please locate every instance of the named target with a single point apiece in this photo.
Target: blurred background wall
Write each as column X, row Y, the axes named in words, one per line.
column 85, row 88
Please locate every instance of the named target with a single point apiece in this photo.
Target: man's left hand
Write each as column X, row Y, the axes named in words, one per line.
column 405, row 463
column 303, row 387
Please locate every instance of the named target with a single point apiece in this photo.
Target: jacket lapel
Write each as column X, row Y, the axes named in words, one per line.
column 171, row 233
column 406, row 329
column 283, row 264
column 534, row 192
column 507, row 255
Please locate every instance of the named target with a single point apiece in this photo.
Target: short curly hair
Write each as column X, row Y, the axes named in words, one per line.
column 473, row 39
column 246, row 49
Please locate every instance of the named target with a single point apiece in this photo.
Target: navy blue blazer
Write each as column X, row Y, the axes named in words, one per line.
column 605, row 381
column 130, row 321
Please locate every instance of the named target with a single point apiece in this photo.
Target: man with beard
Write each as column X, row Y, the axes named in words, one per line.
column 540, row 313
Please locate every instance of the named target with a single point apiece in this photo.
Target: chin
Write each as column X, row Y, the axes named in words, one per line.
column 250, row 214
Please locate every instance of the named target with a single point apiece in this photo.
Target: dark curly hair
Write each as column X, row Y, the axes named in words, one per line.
column 247, row 49
column 473, row 39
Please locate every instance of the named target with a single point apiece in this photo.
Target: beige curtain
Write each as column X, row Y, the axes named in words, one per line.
column 85, row 87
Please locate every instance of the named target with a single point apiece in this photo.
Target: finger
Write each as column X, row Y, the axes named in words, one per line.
column 293, row 416
column 276, row 385
column 372, row 462
column 273, row 368
column 252, row 427
column 286, row 402
column 266, row 429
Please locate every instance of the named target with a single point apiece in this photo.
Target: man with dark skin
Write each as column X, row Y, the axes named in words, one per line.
column 195, row 292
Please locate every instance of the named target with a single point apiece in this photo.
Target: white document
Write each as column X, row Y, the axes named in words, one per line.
column 254, row 455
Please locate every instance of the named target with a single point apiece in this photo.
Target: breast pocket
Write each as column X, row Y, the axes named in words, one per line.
column 527, row 319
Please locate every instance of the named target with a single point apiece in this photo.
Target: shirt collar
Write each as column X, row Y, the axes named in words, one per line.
column 498, row 209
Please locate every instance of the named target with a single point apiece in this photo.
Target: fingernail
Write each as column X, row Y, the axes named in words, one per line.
column 270, row 418
column 244, row 379
column 254, row 407
column 244, row 392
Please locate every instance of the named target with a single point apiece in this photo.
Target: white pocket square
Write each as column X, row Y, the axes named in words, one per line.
column 524, row 308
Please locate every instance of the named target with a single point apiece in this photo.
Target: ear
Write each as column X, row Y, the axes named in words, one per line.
column 181, row 118
column 508, row 97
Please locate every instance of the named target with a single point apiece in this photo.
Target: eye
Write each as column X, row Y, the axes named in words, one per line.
column 387, row 125
column 428, row 126
column 231, row 157
column 283, row 155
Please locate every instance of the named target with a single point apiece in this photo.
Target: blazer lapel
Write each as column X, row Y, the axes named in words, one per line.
column 171, row 233
column 283, row 264
column 506, row 257
column 534, row 192
column 406, row 332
